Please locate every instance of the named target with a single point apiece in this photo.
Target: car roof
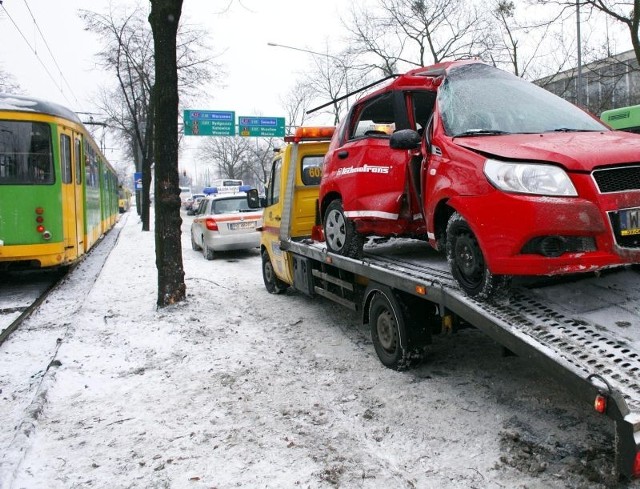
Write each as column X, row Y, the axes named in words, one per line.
column 226, row 196
column 425, row 77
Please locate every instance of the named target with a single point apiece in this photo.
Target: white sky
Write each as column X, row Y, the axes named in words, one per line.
column 258, row 75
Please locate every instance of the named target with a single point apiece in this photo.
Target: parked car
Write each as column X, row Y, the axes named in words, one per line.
column 504, row 176
column 225, row 223
column 193, row 202
column 185, row 195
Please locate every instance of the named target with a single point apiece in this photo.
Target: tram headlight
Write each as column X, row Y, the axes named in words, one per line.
column 46, row 235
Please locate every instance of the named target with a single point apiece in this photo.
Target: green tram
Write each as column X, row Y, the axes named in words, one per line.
column 624, row 118
column 58, row 193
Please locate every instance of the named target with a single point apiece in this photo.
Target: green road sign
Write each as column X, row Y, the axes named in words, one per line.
column 264, row 127
column 209, row 123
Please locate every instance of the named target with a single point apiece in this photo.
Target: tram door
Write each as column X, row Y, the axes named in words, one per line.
column 78, row 175
column 68, row 195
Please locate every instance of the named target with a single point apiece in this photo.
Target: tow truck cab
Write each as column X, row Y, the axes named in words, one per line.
column 295, row 174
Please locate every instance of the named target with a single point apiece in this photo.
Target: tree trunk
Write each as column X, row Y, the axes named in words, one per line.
column 164, row 18
column 146, row 163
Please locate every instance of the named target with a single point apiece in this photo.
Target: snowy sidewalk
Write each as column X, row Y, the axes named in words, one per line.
column 239, row 388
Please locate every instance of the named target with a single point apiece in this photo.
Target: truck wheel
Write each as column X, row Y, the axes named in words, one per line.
column 340, row 233
column 467, row 263
column 389, row 333
column 208, row 252
column 271, row 282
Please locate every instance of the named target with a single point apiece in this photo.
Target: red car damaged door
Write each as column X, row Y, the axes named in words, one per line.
column 370, row 181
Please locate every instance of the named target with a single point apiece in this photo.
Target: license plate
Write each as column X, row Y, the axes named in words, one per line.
column 629, row 221
column 235, row 226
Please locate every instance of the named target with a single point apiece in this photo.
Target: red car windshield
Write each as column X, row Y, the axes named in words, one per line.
column 477, row 99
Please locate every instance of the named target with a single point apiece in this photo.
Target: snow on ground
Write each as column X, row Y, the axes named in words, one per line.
column 239, row 388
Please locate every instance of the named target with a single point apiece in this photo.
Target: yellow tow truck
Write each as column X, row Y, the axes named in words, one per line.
column 291, row 199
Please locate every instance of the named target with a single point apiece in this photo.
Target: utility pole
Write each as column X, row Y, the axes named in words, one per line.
column 579, row 80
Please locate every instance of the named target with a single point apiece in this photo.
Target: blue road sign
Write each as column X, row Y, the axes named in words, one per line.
column 256, row 126
column 209, row 123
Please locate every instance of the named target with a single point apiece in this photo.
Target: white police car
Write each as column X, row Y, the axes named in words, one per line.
column 224, row 223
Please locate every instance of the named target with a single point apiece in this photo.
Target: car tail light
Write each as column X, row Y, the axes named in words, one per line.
column 211, row 224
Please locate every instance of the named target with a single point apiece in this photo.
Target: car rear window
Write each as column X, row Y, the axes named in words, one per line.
column 224, row 206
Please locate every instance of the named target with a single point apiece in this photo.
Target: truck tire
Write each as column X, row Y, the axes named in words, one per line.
column 340, row 233
column 468, row 265
column 389, row 333
column 271, row 282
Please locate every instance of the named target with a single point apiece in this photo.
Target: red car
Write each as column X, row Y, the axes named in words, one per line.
column 506, row 177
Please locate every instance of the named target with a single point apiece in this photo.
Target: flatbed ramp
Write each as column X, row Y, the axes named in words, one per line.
column 583, row 331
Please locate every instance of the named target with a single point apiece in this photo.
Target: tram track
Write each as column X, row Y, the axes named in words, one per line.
column 21, row 293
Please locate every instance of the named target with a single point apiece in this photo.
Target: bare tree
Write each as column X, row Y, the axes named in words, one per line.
column 260, row 159
column 8, row 83
column 228, row 155
column 128, row 52
column 329, row 80
column 164, row 19
column 418, row 32
column 626, row 13
column 504, row 38
column 296, row 103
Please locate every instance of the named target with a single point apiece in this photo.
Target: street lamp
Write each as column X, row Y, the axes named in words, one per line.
column 338, row 60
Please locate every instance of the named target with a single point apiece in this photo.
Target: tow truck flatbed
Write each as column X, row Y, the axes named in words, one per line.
column 584, row 332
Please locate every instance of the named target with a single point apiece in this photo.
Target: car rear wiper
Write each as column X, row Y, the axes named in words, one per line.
column 481, row 132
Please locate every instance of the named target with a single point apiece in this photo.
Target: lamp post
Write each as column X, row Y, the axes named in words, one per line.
column 338, row 60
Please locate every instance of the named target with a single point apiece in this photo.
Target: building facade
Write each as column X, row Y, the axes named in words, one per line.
column 606, row 84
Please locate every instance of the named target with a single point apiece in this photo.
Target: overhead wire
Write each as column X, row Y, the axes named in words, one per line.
column 50, row 53
column 35, row 52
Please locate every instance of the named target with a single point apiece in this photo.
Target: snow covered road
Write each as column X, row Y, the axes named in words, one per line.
column 239, row 388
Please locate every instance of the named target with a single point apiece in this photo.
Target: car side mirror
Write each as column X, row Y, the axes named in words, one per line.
column 253, row 199
column 405, row 139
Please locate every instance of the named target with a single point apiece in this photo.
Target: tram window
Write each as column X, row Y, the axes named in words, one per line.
column 91, row 166
column 25, row 153
column 78, row 156
column 65, row 158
